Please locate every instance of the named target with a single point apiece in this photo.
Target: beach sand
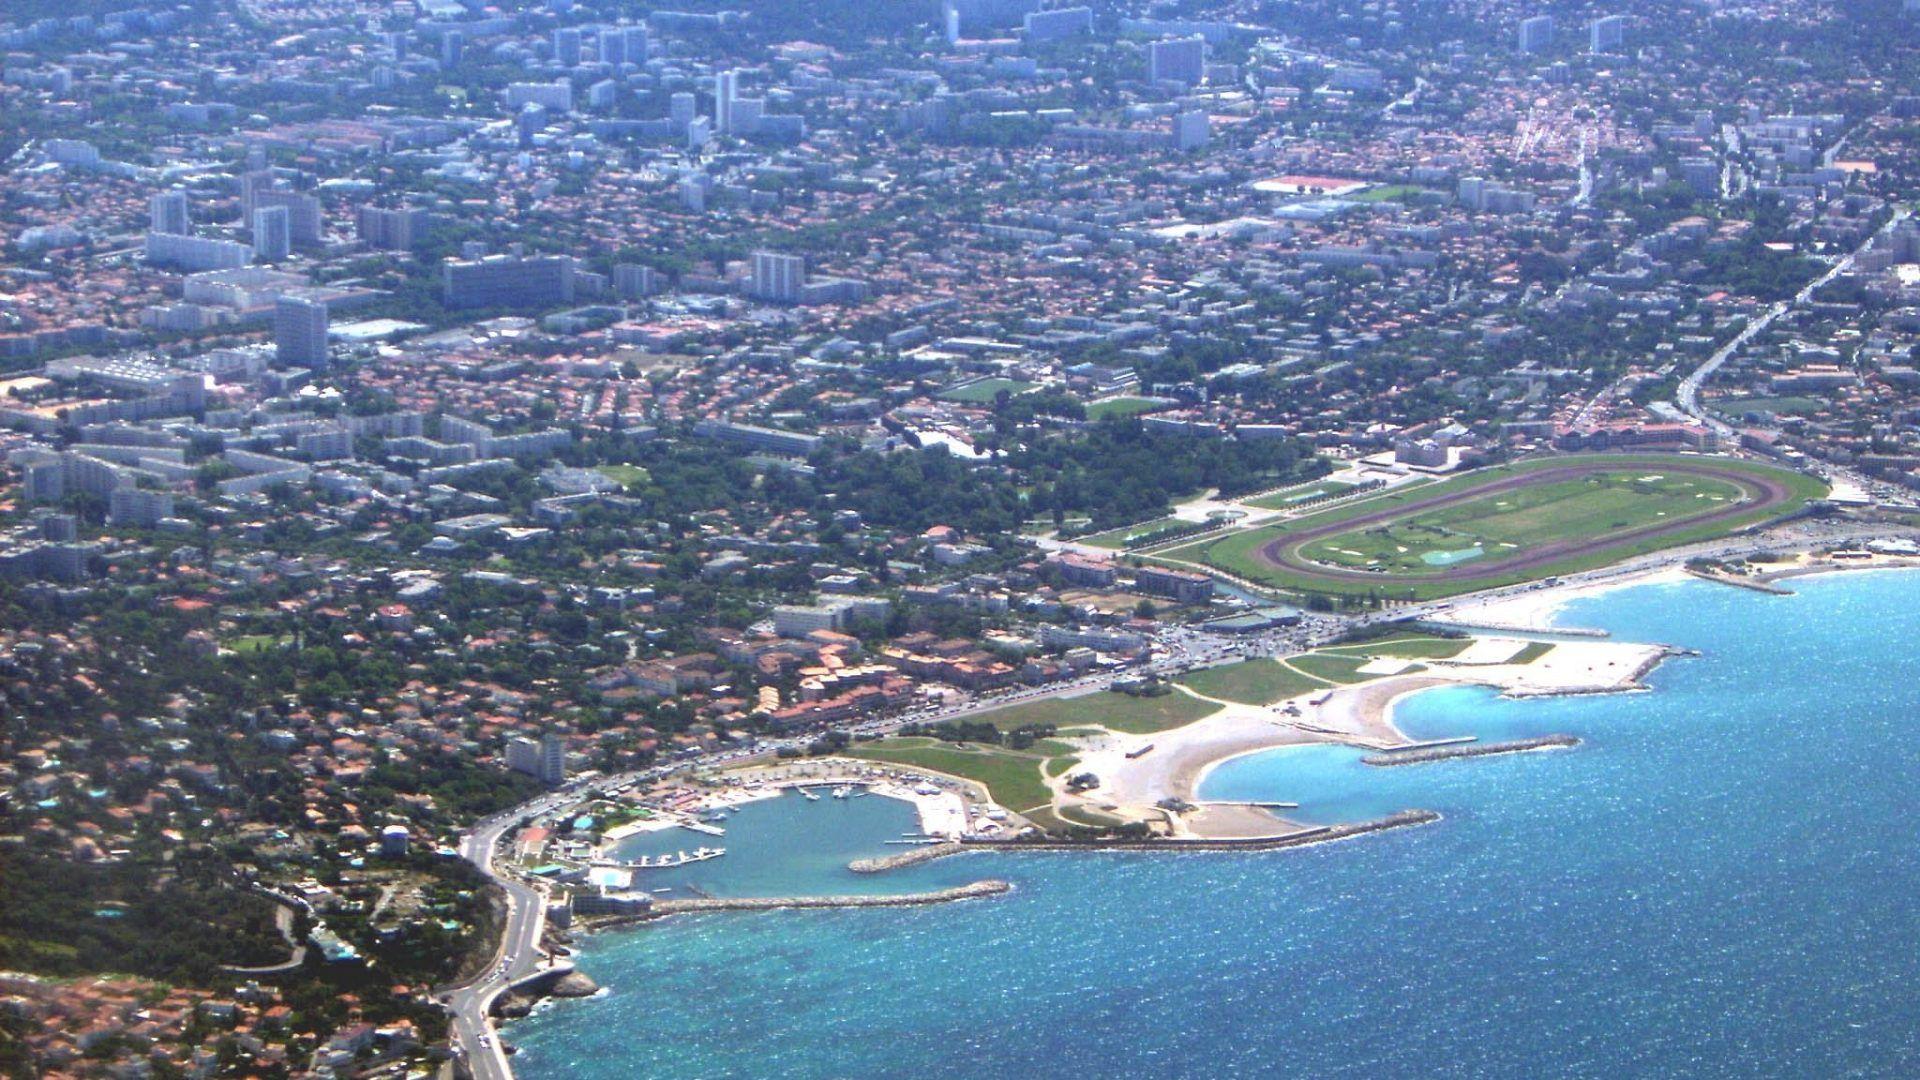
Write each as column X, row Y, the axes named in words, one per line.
column 1176, row 766
column 1538, row 609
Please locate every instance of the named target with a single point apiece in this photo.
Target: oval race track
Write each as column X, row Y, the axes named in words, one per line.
column 1762, row 491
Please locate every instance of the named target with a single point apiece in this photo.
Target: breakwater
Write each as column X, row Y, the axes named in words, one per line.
column 923, row 853
column 1299, row 838
column 695, row 905
column 1760, row 585
column 1468, row 750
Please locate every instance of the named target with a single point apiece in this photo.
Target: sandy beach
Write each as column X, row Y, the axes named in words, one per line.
column 1139, row 774
column 1537, row 609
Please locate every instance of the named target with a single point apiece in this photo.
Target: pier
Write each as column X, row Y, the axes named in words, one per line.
column 1418, row 756
column 974, row 891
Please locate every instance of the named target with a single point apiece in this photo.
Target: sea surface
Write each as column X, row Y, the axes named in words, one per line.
column 1722, row 881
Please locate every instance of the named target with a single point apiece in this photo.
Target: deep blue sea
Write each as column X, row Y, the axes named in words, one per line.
column 1722, row 881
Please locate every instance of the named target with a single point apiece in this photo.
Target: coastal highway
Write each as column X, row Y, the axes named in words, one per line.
column 519, row 954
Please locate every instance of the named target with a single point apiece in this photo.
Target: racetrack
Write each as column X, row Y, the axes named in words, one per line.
column 1762, row 490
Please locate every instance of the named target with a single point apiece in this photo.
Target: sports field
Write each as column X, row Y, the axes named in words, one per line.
column 1508, row 524
column 984, row 391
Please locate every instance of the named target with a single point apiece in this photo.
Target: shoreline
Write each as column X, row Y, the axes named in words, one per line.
column 1359, row 715
column 1537, row 609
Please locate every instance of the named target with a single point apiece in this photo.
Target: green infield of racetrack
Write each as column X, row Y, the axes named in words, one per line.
column 1626, row 505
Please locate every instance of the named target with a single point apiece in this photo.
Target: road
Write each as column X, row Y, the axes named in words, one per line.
column 519, row 954
column 1688, row 396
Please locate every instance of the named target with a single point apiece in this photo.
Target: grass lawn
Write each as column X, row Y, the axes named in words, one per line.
column 1338, row 669
column 1478, row 531
column 1532, row 652
column 1116, row 539
column 1047, row 820
column 1081, row 815
column 1121, row 406
column 1404, row 647
column 1291, row 497
column 1387, row 192
column 1783, row 406
column 1011, row 777
column 1250, row 682
column 257, row 643
column 984, row 391
column 1107, row 708
column 627, row 476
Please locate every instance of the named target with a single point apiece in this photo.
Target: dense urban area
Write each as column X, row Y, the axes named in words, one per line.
column 425, row 419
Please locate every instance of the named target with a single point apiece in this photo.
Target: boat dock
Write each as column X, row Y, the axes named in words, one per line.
column 665, row 862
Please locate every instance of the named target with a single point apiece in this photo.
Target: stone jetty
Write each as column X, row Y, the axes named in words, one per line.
column 912, row 857
column 1468, row 750
column 693, row 905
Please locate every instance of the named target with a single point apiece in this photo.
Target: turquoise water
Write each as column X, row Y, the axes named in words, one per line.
column 789, row 847
column 1722, row 881
column 1457, row 555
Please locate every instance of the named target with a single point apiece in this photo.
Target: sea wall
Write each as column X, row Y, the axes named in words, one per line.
column 1469, row 750
column 1299, row 838
column 1760, row 585
column 910, row 857
column 694, row 905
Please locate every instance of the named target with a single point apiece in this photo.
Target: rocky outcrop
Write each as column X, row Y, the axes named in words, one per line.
column 512, row 1006
column 574, row 984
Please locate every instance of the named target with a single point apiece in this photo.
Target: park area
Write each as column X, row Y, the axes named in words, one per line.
column 1508, row 524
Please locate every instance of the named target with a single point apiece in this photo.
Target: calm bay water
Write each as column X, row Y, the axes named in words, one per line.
column 1721, row 882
